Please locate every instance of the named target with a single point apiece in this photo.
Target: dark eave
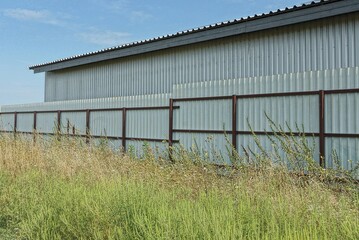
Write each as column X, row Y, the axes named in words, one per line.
column 297, row 14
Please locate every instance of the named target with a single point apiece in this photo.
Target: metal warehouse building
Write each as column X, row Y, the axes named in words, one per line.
column 298, row 65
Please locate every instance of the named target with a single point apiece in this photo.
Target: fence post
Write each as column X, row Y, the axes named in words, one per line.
column 124, row 129
column 59, row 122
column 58, row 125
column 35, row 125
column 15, row 123
column 234, row 123
column 322, row 128
column 68, row 127
column 87, row 126
column 170, row 128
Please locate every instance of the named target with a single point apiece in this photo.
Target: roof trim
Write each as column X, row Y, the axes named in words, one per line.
column 306, row 12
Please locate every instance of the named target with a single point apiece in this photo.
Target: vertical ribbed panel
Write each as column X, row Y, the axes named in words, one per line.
column 203, row 115
column 347, row 150
column 212, row 146
column 75, row 119
column 342, row 116
column 25, row 122
column 330, row 43
column 46, row 122
column 248, row 143
column 342, row 78
column 342, row 113
column 288, row 112
column 108, row 123
column 116, row 102
column 147, row 124
column 7, row 122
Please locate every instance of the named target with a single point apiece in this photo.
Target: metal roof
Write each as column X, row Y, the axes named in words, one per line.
column 281, row 17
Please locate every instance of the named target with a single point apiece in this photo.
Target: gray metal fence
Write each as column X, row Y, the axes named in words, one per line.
column 93, row 122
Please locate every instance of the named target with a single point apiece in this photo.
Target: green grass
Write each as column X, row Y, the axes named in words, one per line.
column 67, row 190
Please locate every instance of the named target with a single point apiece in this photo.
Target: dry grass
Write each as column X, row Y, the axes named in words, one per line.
column 68, row 190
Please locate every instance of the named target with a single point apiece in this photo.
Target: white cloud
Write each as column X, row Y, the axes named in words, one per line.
column 140, row 16
column 119, row 5
column 126, row 9
column 42, row 16
column 106, row 38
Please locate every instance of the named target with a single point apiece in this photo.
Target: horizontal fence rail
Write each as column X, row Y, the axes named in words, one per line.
column 234, row 132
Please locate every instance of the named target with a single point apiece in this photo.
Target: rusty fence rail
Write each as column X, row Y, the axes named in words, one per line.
column 234, row 132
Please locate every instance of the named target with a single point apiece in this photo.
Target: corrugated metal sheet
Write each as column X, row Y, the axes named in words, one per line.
column 342, row 113
column 288, row 112
column 7, row 122
column 116, row 102
column 203, row 115
column 46, row 122
column 248, row 143
column 75, row 120
column 347, row 150
column 107, row 123
column 147, row 124
column 313, row 46
column 342, row 78
column 25, row 122
column 214, row 147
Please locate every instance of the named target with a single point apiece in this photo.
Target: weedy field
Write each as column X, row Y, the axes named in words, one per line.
column 68, row 190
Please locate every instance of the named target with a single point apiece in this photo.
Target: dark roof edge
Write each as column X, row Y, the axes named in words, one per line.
column 304, row 13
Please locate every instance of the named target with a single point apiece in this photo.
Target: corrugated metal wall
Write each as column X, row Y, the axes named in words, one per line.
column 7, row 122
column 326, row 44
column 341, row 113
column 342, row 78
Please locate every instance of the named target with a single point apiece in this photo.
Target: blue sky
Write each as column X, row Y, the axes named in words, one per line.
column 38, row 31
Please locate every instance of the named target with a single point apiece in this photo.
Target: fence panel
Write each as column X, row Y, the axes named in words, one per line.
column 247, row 145
column 214, row 147
column 288, row 112
column 347, row 150
column 25, row 122
column 70, row 120
column 211, row 115
column 147, row 124
column 106, row 123
column 140, row 148
column 7, row 122
column 46, row 122
column 203, row 115
column 342, row 113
